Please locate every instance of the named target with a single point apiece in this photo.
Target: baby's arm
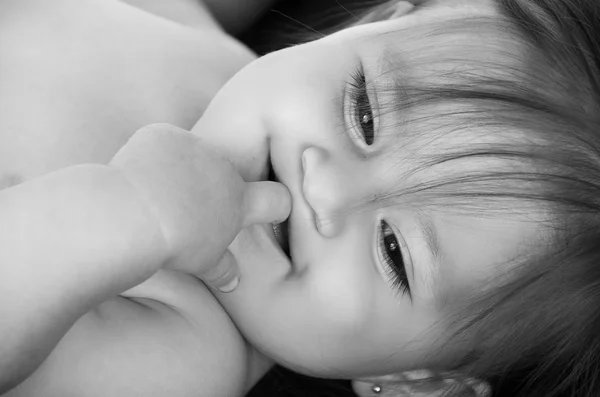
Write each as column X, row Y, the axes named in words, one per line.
column 80, row 236
column 70, row 240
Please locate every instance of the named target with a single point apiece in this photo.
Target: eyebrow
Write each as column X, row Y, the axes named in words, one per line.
column 430, row 269
column 388, row 58
column 389, row 62
column 395, row 71
column 430, row 234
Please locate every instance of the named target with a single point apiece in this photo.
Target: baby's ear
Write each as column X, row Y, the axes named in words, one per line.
column 401, row 8
column 420, row 383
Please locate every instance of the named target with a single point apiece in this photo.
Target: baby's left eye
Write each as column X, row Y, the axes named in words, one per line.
column 366, row 118
column 363, row 110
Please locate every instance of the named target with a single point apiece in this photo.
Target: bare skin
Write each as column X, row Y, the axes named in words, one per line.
column 79, row 78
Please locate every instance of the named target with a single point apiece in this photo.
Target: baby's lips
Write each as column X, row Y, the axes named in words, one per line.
column 266, row 202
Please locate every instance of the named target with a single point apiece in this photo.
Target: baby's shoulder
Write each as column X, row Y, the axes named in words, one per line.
column 166, row 337
column 79, row 77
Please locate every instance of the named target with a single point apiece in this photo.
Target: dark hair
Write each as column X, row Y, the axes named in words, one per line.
column 537, row 333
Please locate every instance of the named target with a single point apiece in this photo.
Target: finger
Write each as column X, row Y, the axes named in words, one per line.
column 225, row 276
column 266, row 202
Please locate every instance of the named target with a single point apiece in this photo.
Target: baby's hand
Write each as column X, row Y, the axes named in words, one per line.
column 199, row 199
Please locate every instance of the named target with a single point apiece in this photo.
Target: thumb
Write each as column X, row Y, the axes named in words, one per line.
column 266, row 202
column 225, row 276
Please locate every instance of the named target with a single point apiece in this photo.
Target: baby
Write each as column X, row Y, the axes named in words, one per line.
column 79, row 78
column 442, row 164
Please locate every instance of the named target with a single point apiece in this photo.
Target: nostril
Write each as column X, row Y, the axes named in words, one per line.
column 304, row 162
column 328, row 227
column 312, row 158
column 307, row 160
column 319, row 190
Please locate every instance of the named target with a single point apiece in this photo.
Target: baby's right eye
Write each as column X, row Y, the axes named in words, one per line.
column 363, row 112
column 392, row 258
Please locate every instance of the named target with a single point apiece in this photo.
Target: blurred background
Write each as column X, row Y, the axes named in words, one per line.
column 291, row 22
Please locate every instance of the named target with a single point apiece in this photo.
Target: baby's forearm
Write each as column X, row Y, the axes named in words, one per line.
column 69, row 240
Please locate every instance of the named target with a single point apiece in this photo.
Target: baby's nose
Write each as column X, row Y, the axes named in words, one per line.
column 323, row 190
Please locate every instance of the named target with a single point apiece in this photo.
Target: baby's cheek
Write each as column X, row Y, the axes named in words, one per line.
column 236, row 129
column 343, row 297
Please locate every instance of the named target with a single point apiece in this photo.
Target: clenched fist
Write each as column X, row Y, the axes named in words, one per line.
column 199, row 199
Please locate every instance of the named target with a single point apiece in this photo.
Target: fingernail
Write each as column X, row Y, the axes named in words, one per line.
column 231, row 286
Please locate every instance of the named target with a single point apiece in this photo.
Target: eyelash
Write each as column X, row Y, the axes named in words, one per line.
column 395, row 271
column 362, row 112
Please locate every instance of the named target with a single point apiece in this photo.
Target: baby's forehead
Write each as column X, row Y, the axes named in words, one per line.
column 433, row 12
column 480, row 252
column 442, row 24
column 447, row 158
column 445, row 95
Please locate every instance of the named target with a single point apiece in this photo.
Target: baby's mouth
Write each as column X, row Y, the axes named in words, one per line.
column 281, row 235
column 280, row 230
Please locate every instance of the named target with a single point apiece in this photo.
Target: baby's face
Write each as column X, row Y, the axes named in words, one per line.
column 366, row 290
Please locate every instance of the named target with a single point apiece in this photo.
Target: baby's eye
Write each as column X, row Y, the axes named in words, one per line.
column 363, row 112
column 392, row 258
